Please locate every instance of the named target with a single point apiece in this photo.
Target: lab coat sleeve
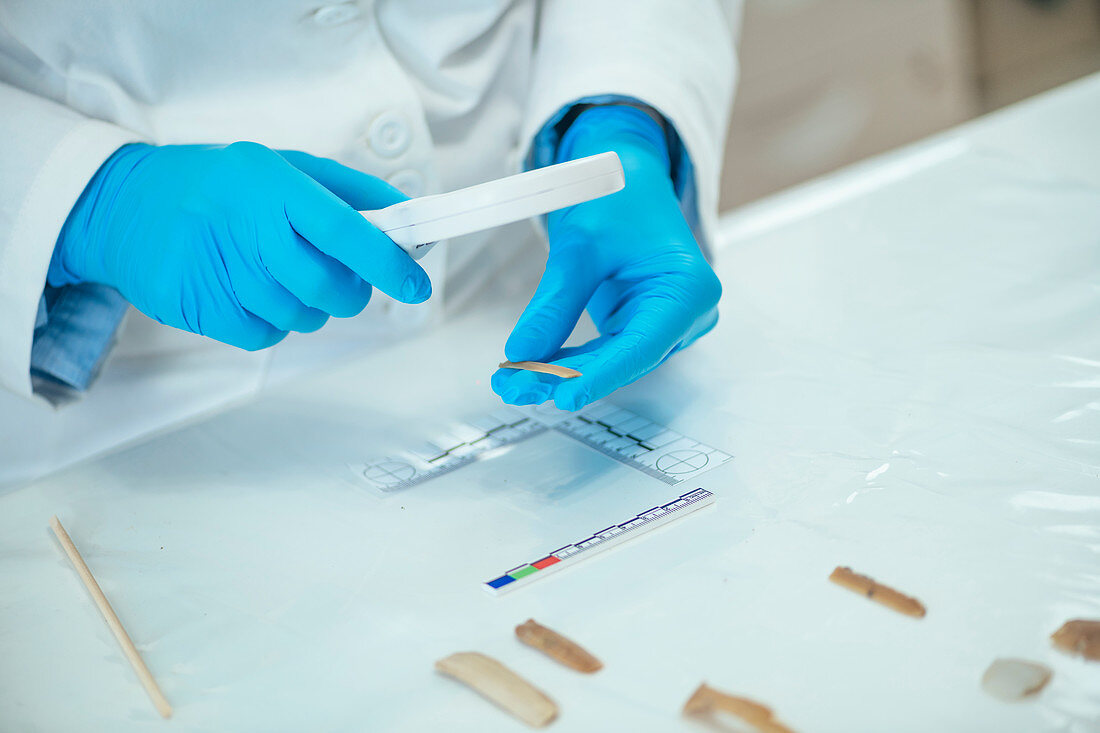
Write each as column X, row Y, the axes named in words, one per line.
column 677, row 57
column 48, row 153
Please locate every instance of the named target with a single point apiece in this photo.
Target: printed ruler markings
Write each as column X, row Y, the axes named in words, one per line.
column 618, row 453
column 602, row 540
column 621, row 435
column 653, row 449
column 449, row 453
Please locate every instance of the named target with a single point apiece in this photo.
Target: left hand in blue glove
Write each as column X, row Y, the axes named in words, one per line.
column 630, row 258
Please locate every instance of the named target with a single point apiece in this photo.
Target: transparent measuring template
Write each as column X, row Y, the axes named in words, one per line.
column 622, row 435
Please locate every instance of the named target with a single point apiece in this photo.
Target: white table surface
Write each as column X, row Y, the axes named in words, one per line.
column 907, row 369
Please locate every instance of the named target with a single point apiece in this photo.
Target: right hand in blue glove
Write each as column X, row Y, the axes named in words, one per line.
column 239, row 243
column 630, row 259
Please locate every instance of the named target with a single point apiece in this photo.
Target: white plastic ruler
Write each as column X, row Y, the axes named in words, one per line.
column 605, row 539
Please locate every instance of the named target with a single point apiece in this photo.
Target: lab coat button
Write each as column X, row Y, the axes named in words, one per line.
column 389, row 135
column 408, row 182
column 335, row 14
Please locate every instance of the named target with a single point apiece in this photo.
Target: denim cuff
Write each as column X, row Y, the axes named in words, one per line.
column 544, row 150
column 78, row 330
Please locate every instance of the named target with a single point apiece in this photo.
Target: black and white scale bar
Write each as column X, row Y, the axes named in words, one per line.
column 606, row 538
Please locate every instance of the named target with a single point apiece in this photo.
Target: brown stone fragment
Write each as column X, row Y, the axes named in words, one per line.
column 707, row 700
column 1079, row 636
column 883, row 594
column 556, row 646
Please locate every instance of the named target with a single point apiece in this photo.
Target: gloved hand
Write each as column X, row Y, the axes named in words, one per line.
column 239, row 243
column 630, row 258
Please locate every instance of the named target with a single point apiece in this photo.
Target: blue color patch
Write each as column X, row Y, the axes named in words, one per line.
column 501, row 581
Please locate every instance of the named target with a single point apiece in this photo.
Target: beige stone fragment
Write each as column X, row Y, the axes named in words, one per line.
column 500, row 685
column 538, row 366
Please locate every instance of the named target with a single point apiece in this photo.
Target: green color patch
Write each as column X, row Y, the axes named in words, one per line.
column 523, row 572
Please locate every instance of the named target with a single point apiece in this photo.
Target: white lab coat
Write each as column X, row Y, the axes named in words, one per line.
column 429, row 94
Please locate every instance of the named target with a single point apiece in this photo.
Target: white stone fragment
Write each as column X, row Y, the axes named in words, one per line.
column 1015, row 679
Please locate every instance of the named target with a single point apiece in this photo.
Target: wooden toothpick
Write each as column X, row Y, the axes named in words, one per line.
column 101, row 602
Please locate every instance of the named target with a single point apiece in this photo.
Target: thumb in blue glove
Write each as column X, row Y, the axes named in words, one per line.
column 239, row 243
column 629, row 258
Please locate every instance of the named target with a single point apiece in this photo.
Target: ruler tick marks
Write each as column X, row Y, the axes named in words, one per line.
column 621, row 435
column 570, row 554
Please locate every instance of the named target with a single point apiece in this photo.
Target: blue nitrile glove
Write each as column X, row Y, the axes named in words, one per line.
column 239, row 242
column 630, row 258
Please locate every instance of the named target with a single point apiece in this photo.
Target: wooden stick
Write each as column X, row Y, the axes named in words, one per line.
column 538, row 366
column 883, row 594
column 556, row 646
column 500, row 685
column 128, row 648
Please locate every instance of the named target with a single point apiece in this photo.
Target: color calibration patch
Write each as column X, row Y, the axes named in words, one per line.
column 607, row 538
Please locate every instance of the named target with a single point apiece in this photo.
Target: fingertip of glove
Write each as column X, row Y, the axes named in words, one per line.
column 522, row 347
column 504, row 388
column 533, row 397
column 259, row 339
column 522, row 394
column 416, row 289
column 570, row 397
